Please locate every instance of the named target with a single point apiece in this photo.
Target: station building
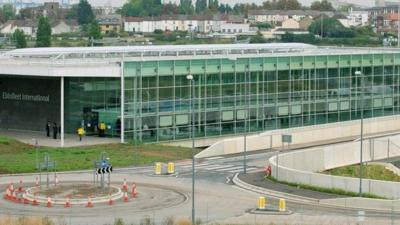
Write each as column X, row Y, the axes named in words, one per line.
column 142, row 92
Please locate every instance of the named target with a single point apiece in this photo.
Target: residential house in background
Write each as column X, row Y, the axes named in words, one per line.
column 290, row 24
column 305, row 23
column 276, row 17
column 355, row 18
column 27, row 26
column 379, row 17
column 110, row 23
column 64, row 26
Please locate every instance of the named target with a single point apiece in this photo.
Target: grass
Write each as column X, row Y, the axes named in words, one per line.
column 369, row 171
column 17, row 157
column 335, row 191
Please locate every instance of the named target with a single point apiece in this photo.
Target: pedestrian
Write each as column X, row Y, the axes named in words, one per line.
column 80, row 132
column 102, row 129
column 55, row 130
column 48, row 125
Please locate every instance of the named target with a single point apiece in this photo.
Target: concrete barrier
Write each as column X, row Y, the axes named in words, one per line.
column 303, row 166
column 302, row 135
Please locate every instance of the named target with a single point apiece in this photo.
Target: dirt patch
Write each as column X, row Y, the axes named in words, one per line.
column 76, row 191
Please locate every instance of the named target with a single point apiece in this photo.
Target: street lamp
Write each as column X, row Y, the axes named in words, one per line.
column 358, row 73
column 191, row 93
column 37, row 153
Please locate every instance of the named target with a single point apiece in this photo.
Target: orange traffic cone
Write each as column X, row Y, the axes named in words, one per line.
column 7, row 194
column 13, row 196
column 110, row 201
column 35, row 202
column 125, row 186
column 126, row 198
column 67, row 203
column 49, row 203
column 89, row 203
column 26, row 201
column 134, row 192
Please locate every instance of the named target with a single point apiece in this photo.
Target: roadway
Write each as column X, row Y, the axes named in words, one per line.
column 217, row 199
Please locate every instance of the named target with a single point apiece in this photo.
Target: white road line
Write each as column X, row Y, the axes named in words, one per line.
column 232, row 168
column 197, row 165
column 217, row 167
column 216, row 157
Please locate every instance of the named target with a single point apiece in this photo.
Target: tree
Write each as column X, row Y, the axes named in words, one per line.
column 201, row 6
column 330, row 27
column 84, row 12
column 43, row 34
column 323, row 5
column 213, row 5
column 94, row 30
column 142, row 8
column 257, row 39
column 169, row 9
column 19, row 38
column 186, row 7
column 7, row 12
column 281, row 5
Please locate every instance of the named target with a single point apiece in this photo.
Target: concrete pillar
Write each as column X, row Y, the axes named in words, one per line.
column 122, row 103
column 62, row 112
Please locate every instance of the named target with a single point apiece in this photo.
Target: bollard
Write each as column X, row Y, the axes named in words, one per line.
column 134, row 191
column 126, row 198
column 171, row 168
column 261, row 203
column 157, row 168
column 125, row 185
column 282, row 205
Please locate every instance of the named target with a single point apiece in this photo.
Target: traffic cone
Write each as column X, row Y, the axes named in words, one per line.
column 26, row 201
column 67, row 203
column 126, row 198
column 56, row 181
column 49, row 203
column 11, row 187
column 20, row 188
column 110, row 201
column 35, row 202
column 7, row 195
column 134, row 192
column 89, row 204
column 125, row 186
column 13, row 196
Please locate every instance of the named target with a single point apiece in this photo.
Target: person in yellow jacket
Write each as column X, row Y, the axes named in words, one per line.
column 102, row 129
column 81, row 132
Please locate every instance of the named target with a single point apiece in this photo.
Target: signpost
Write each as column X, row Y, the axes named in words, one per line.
column 47, row 165
column 102, row 167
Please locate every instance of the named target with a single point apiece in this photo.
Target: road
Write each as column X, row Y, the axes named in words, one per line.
column 217, row 199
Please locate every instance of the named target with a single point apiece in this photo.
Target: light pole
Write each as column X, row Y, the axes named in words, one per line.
column 246, row 121
column 37, row 153
column 358, row 73
column 191, row 92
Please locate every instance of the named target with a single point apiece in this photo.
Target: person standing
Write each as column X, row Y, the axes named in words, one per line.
column 48, row 125
column 81, row 132
column 55, row 130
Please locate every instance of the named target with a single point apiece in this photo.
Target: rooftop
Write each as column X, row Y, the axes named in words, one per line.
column 106, row 61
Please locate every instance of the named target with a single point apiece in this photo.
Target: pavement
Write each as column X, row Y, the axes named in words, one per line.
column 29, row 137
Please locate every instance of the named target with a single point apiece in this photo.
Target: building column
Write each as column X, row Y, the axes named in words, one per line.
column 122, row 102
column 62, row 112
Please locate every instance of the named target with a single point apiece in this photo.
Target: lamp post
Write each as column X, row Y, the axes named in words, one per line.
column 191, row 93
column 37, row 152
column 358, row 73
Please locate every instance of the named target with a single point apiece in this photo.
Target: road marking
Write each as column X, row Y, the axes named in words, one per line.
column 231, row 168
column 217, row 167
column 216, row 157
column 240, row 170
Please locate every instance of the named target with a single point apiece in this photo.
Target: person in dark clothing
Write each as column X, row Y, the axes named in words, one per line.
column 55, row 130
column 48, row 125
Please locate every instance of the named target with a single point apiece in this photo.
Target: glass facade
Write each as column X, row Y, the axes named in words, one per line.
column 255, row 94
column 89, row 101
column 233, row 96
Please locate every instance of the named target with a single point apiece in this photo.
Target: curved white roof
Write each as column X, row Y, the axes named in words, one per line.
column 157, row 48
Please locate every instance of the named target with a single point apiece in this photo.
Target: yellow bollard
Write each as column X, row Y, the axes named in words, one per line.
column 282, row 205
column 171, row 168
column 261, row 202
column 157, row 168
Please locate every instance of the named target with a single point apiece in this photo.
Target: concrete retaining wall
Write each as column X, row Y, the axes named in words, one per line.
column 302, row 166
column 302, row 135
